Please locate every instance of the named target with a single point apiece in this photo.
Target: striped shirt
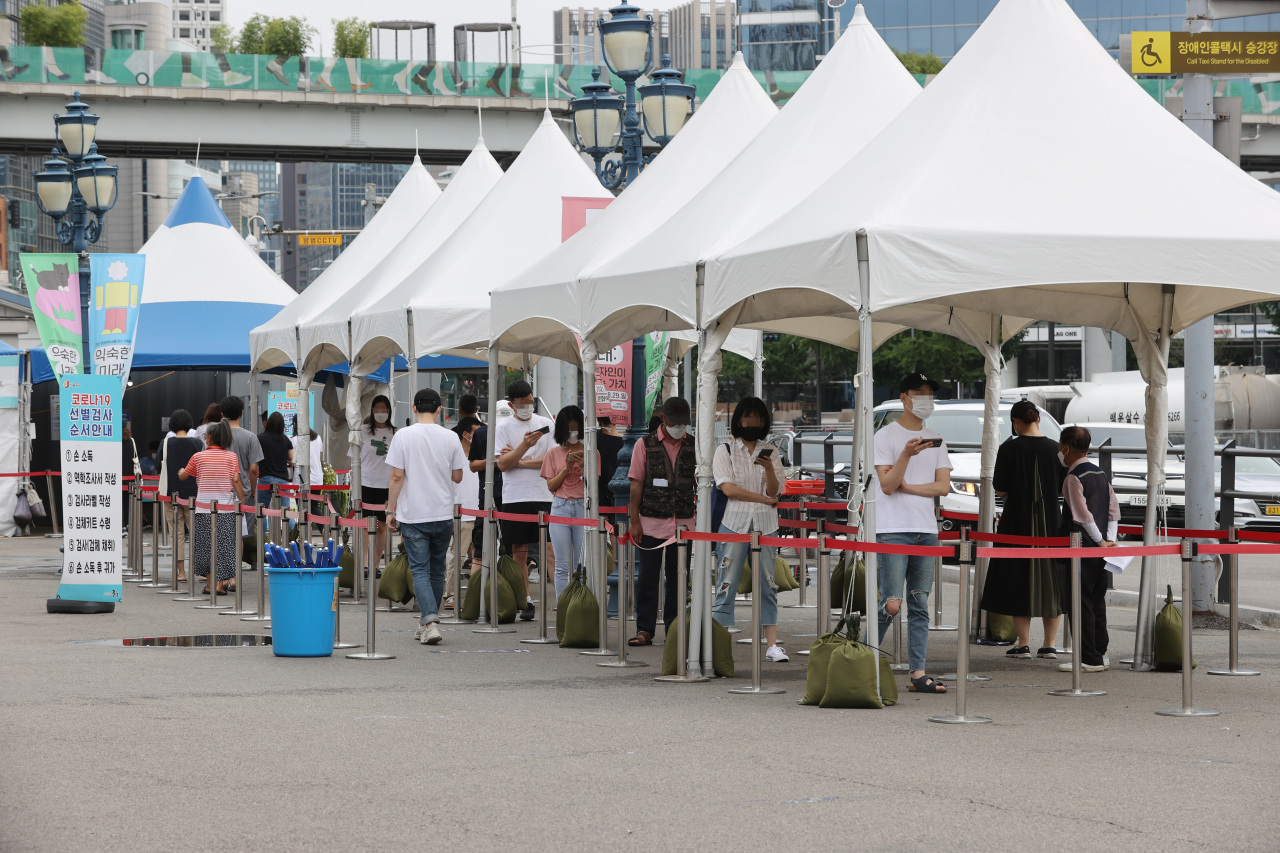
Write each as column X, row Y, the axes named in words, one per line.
column 216, row 471
column 736, row 464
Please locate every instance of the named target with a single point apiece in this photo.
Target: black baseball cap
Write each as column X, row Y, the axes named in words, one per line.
column 676, row 410
column 427, row 400
column 916, row 381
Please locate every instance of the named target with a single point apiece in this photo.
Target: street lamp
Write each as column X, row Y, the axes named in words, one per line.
column 628, row 52
column 75, row 182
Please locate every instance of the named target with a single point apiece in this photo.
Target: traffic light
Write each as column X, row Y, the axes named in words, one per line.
column 15, row 214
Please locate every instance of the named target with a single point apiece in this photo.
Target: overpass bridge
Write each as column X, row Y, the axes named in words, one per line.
column 160, row 104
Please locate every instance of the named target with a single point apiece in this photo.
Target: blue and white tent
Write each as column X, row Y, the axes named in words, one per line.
column 205, row 289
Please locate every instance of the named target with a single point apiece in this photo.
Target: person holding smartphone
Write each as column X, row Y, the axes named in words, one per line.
column 562, row 468
column 749, row 472
column 522, row 441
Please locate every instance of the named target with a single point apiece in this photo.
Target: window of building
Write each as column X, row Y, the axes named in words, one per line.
column 215, row 16
column 184, row 16
column 184, row 33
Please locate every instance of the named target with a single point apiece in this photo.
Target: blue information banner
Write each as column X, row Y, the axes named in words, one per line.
column 93, row 556
column 115, row 294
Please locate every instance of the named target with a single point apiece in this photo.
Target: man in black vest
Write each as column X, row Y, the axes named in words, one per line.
column 663, row 497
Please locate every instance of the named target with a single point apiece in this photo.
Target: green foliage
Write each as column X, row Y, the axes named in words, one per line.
column 250, row 38
column 61, row 25
column 224, row 38
column 920, row 63
column 351, row 38
column 267, row 36
column 938, row 356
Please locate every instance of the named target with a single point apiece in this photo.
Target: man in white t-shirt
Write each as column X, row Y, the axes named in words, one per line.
column 426, row 465
column 912, row 469
column 521, row 441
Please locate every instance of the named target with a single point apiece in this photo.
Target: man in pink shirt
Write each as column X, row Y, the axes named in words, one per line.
column 663, row 497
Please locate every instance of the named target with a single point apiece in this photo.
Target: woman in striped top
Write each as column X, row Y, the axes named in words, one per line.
column 217, row 473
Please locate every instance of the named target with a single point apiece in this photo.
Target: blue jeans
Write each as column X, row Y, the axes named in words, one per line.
column 895, row 570
column 732, row 557
column 566, row 541
column 264, row 495
column 426, row 545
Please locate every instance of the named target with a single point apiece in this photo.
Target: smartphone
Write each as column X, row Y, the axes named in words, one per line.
column 766, row 451
column 544, row 430
column 931, row 442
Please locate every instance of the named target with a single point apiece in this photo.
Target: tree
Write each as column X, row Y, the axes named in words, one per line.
column 250, row 39
column 224, row 38
column 351, row 38
column 287, row 36
column 942, row 357
column 920, row 63
column 53, row 26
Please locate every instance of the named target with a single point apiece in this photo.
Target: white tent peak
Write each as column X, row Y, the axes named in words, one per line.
column 738, row 59
column 859, row 18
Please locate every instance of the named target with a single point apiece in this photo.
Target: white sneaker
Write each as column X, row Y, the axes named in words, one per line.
column 417, row 635
column 191, row 81
column 431, row 636
column 776, row 654
column 1084, row 667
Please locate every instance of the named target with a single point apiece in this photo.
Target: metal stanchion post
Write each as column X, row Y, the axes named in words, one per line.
column 212, row 578
column 155, row 549
column 53, row 504
column 623, row 606
column 823, row 582
column 757, row 653
column 1187, row 709
column 961, row 643
column 371, row 625
column 338, row 642
column 458, row 548
column 962, row 646
column 176, row 545
column 239, row 610
column 1076, row 664
column 191, row 555
column 134, row 567
column 599, row 544
column 542, row 639
column 803, row 562
column 1233, row 636
column 937, row 584
column 490, row 573
column 898, row 665
column 682, row 675
column 260, row 529
column 357, row 573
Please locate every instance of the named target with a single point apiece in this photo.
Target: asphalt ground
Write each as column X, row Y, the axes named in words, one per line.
column 485, row 742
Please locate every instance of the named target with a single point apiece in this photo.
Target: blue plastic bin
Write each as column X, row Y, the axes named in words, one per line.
column 304, row 605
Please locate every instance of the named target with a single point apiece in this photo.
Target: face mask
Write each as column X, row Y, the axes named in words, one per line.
column 677, row 432
column 573, row 438
column 922, row 407
column 524, row 412
column 1062, row 459
column 381, row 417
column 753, row 433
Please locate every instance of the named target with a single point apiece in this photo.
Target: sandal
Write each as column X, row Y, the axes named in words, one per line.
column 642, row 638
column 925, row 684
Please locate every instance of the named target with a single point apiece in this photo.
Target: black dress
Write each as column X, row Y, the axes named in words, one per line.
column 1028, row 471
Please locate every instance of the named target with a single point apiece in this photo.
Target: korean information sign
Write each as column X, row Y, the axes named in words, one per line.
column 1205, row 53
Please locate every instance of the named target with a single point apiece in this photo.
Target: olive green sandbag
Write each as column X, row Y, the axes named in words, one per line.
column 1001, row 628
column 1168, row 635
column 510, row 570
column 506, row 600
column 562, row 602
column 851, row 678
column 580, row 615
column 396, row 583
column 347, row 569
column 783, row 579
column 815, row 679
column 721, row 650
column 471, row 602
column 840, row 585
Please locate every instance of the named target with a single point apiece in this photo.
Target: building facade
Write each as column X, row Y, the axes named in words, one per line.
column 785, row 35
column 703, row 34
column 193, row 21
column 577, row 41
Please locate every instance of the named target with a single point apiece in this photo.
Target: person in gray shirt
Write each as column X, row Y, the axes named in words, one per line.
column 249, row 450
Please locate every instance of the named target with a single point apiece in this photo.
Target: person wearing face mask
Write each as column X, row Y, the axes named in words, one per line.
column 522, row 441
column 375, row 473
column 913, row 469
column 562, row 468
column 663, row 497
column 1029, row 478
column 1091, row 509
column 749, row 472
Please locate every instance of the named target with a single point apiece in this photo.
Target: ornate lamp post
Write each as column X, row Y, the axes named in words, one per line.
column 75, row 182
column 597, row 116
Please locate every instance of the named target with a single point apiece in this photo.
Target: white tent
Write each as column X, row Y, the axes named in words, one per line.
column 543, row 307
column 1053, row 196
column 275, row 342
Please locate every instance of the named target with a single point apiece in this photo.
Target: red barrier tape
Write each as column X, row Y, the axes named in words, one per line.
column 248, row 510
column 272, row 513
column 695, row 536
column 164, row 499
column 1042, row 541
column 826, row 507
column 612, row 510
column 373, row 507
column 1176, row 532
column 329, row 488
column 568, row 521
column 1130, row 529
column 515, row 516
column 474, row 513
column 1246, row 548
column 1258, row 536
column 960, row 516
column 886, row 548
column 949, row 536
column 832, row 527
column 354, row 522
column 1040, row 553
column 312, row 518
column 201, row 506
column 787, row 506
column 779, row 542
column 181, row 502
column 802, row 525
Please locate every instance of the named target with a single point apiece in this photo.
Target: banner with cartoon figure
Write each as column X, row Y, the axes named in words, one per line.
column 53, row 284
column 113, row 312
column 91, row 496
column 655, row 366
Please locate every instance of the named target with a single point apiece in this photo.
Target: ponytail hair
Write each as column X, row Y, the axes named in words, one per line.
column 219, row 434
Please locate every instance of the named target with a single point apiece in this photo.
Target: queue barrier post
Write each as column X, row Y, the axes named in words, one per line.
column 898, row 665
column 155, row 549
column 134, row 573
column 239, row 610
column 259, row 531
column 682, row 675
column 178, row 543
column 1188, row 709
column 1233, row 634
column 757, row 650
column 802, row 558
column 357, row 555
column 969, row 677
column 212, row 577
column 542, row 639
column 937, row 583
column 490, row 575
column 602, row 578
column 369, row 525
column 962, row 716
column 458, row 547
column 190, row 507
column 1076, row 646
column 339, row 643
column 53, row 506
column 623, row 605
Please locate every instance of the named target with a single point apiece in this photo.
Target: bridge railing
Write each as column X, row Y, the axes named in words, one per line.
column 169, row 69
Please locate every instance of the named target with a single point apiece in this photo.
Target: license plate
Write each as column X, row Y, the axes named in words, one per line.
column 1272, row 510
column 1141, row 500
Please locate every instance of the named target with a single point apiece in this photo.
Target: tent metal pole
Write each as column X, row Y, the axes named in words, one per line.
column 759, row 365
column 303, row 427
column 489, row 561
column 591, row 546
column 411, row 358
column 863, row 437
column 1157, row 415
column 990, row 439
